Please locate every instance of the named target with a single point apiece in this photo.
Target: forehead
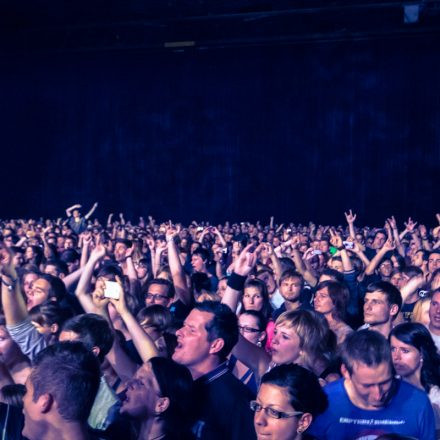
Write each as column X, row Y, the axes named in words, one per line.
column 376, row 295
column 435, row 297
column 68, row 335
column 274, row 395
column 246, row 319
column 253, row 290
column 371, row 374
column 41, row 283
column 158, row 288
column 292, row 279
column 198, row 318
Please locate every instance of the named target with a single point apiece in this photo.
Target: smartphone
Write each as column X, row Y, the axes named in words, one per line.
column 348, row 244
column 112, row 290
column 316, row 252
column 199, row 229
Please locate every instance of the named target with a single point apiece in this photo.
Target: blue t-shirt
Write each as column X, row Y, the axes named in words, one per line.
column 408, row 413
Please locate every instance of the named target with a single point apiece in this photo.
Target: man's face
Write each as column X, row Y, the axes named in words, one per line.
column 434, row 313
column 69, row 243
column 385, row 268
column 120, row 250
column 379, row 240
column 376, row 308
column 290, row 289
column 324, row 246
column 193, row 347
column 269, row 280
column 417, row 259
column 197, row 263
column 433, row 262
column 39, row 292
column 157, row 294
column 370, row 386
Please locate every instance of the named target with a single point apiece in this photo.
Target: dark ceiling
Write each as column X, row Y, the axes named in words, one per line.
column 48, row 25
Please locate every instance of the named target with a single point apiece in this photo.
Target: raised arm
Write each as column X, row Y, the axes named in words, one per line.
column 145, row 346
column 399, row 246
column 275, row 262
column 388, row 246
column 251, row 355
column 336, row 241
column 14, row 306
column 92, row 210
column 71, row 208
column 177, row 273
column 83, row 289
column 350, row 217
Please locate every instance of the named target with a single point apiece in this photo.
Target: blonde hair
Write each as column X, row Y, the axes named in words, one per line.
column 418, row 310
column 315, row 337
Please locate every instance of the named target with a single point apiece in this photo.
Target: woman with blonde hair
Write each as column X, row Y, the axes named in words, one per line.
column 421, row 311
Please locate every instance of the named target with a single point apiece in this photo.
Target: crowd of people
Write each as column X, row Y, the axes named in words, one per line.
column 147, row 330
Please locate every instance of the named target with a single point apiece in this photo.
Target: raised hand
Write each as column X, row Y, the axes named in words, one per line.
column 410, row 225
column 389, row 245
column 350, row 217
column 98, row 252
column 335, row 239
column 120, row 304
column 246, row 261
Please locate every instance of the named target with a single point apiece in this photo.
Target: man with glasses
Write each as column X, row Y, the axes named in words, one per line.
column 369, row 401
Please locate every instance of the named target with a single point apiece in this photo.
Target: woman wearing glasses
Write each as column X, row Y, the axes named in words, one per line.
column 289, row 398
column 252, row 325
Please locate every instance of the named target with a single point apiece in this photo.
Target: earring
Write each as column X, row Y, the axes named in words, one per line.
column 259, row 344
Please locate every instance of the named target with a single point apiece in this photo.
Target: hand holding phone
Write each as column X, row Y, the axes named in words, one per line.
column 112, row 290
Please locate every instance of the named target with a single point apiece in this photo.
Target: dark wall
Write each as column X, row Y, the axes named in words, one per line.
column 302, row 132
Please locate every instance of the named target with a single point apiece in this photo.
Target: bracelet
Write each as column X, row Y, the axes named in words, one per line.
column 11, row 285
column 425, row 237
column 340, row 248
column 236, row 281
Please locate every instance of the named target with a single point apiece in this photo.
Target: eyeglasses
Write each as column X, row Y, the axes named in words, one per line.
column 246, row 329
column 155, row 297
column 270, row 412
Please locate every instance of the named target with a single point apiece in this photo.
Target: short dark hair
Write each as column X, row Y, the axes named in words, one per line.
column 202, row 253
column 162, row 282
column 69, row 255
column 71, row 375
column 305, row 392
column 391, row 292
column 93, row 331
column 57, row 290
column 59, row 265
column 366, row 346
column 223, row 325
column 332, row 273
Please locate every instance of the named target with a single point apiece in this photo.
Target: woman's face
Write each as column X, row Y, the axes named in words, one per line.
column 248, row 326
column 285, row 346
column 276, row 398
column 407, row 360
column 322, row 301
column 252, row 299
column 142, row 394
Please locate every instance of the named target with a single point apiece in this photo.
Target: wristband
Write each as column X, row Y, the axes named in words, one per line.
column 340, row 248
column 11, row 285
column 236, row 281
